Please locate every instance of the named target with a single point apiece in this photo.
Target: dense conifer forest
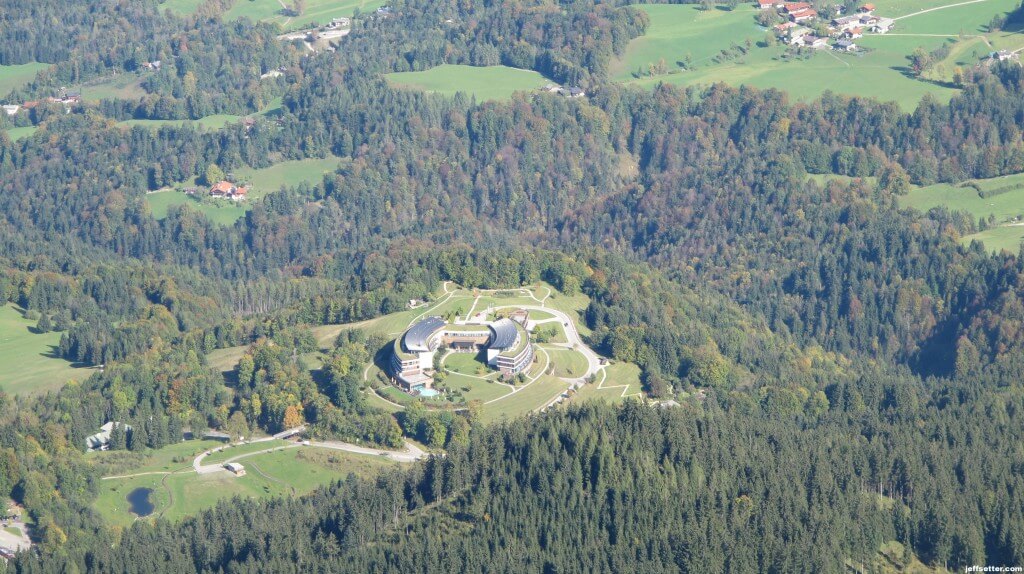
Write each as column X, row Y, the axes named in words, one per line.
column 849, row 373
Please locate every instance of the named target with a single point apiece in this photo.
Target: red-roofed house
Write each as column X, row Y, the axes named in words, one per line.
column 803, row 15
column 791, row 7
column 228, row 190
column 867, row 8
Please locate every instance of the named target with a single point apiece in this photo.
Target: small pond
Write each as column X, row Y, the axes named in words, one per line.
column 139, row 501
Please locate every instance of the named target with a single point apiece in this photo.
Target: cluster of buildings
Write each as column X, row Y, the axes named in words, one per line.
column 223, row 190
column 842, row 31
column 569, row 92
column 506, row 342
column 68, row 99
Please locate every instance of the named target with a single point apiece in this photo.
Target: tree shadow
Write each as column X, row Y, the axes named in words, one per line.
column 909, row 74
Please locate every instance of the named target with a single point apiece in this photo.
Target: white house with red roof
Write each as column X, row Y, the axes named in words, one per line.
column 228, row 190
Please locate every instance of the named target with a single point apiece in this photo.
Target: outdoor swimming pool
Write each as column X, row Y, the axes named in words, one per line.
column 428, row 392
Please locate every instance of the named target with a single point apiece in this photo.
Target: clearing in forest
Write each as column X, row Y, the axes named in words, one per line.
column 30, row 361
column 483, row 83
column 16, row 76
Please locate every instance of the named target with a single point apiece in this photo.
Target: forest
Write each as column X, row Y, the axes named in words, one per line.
column 847, row 373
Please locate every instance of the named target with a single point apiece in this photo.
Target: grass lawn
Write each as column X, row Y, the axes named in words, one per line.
column 683, row 32
column 478, row 389
column 485, row 83
column 526, row 400
column 18, row 133
column 556, row 326
column 467, row 363
column 619, row 381
column 316, row 11
column 292, row 471
column 180, row 7
column 237, row 450
column 223, row 212
column 568, row 363
column 29, row 362
column 16, row 76
column 12, row 530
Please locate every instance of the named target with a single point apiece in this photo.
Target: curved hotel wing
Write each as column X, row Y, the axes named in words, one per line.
column 412, row 362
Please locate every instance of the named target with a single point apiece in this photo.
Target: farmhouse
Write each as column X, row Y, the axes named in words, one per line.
column 768, row 4
column 867, row 8
column 881, row 25
column 812, row 41
column 845, row 46
column 228, row 190
column 803, row 15
column 412, row 363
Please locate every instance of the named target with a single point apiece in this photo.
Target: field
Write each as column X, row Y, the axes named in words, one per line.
column 293, row 471
column 568, row 363
column 316, row 11
column 16, row 76
column 181, row 7
column 29, row 365
column 17, row 133
column 160, row 204
column 684, row 34
column 1007, row 207
column 467, row 364
column 286, row 173
column 483, row 83
column 121, row 87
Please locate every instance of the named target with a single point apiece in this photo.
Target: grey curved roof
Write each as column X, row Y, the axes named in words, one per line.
column 417, row 336
column 504, row 334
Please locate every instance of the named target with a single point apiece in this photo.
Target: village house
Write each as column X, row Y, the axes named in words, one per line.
column 882, row 25
column 868, row 8
column 854, row 33
column 803, row 15
column 228, row 190
column 769, row 4
column 812, row 41
column 845, row 46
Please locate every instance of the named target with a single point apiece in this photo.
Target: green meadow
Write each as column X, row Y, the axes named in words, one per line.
column 222, row 212
column 30, row 365
column 683, row 36
column 19, row 133
column 180, row 7
column 120, row 87
column 619, row 381
column 315, row 11
column 484, row 83
column 1007, row 207
column 16, row 76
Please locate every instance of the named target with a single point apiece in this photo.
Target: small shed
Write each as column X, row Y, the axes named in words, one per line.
column 235, row 468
